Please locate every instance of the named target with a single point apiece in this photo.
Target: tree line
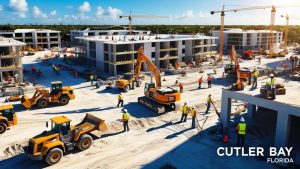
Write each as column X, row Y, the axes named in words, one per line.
column 294, row 30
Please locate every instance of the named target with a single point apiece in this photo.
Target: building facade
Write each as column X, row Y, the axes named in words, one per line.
column 10, row 59
column 248, row 39
column 116, row 54
column 35, row 37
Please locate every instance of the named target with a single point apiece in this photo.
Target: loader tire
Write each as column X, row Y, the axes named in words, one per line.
column 42, row 103
column 127, row 88
column 63, row 100
column 3, row 127
column 53, row 156
column 85, row 142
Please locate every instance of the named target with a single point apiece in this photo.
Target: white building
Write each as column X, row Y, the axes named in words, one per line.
column 35, row 37
column 91, row 32
column 116, row 54
column 248, row 39
column 10, row 59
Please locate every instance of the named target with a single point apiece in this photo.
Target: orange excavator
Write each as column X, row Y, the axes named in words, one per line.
column 157, row 99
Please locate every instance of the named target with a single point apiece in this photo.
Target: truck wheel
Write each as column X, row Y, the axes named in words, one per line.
column 53, row 156
column 85, row 142
column 3, row 127
column 42, row 103
column 126, row 89
column 173, row 106
column 63, row 100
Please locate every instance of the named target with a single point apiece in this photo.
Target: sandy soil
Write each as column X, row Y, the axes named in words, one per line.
column 152, row 141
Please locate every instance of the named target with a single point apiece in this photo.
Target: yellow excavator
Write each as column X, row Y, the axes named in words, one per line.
column 42, row 97
column 8, row 117
column 157, row 99
column 63, row 137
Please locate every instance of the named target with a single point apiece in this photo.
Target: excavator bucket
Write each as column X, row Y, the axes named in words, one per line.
column 99, row 123
column 26, row 102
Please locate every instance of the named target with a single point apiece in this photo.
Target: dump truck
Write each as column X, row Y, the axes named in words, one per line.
column 128, row 82
column 63, row 137
column 42, row 97
column 8, row 117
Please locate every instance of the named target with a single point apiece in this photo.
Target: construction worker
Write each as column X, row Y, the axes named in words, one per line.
column 271, row 86
column 120, row 100
column 193, row 113
column 57, row 70
column 255, row 76
column 33, row 69
column 184, row 110
column 200, row 80
column 125, row 119
column 209, row 101
column 92, row 79
column 180, row 85
column 241, row 129
column 209, row 79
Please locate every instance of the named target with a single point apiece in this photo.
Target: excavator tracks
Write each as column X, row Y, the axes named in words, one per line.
column 152, row 105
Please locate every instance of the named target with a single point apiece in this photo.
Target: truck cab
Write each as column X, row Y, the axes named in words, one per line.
column 127, row 82
column 8, row 117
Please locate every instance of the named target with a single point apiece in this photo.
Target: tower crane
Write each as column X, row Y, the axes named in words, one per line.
column 223, row 11
column 286, row 31
column 130, row 18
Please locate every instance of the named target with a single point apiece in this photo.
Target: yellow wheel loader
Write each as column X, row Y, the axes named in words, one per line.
column 42, row 97
column 8, row 117
column 52, row 145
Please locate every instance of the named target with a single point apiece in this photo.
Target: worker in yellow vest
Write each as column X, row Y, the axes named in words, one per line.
column 255, row 77
column 193, row 113
column 271, row 86
column 241, row 129
column 120, row 100
column 125, row 119
column 91, row 79
column 184, row 110
column 208, row 102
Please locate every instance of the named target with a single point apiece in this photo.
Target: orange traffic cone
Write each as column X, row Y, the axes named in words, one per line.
column 225, row 139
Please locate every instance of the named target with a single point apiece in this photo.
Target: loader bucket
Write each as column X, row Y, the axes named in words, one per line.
column 99, row 123
column 26, row 102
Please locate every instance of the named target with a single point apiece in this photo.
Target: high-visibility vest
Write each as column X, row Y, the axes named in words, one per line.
column 184, row 109
column 255, row 73
column 242, row 128
column 120, row 97
column 272, row 82
column 193, row 112
column 126, row 116
column 200, row 80
column 209, row 78
column 91, row 77
column 208, row 99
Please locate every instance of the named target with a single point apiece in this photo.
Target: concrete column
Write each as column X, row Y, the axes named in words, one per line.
column 115, row 70
column 251, row 110
column 282, row 129
column 225, row 110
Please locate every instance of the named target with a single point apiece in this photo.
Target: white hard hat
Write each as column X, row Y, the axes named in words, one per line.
column 125, row 110
column 271, row 75
column 185, row 102
column 193, row 107
column 242, row 119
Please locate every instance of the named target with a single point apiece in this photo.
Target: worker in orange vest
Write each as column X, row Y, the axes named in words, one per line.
column 180, row 85
column 209, row 79
column 33, row 69
column 200, row 82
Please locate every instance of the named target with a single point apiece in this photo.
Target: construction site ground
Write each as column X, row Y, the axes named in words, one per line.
column 153, row 140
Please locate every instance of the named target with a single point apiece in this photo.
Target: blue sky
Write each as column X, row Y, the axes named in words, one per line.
column 107, row 11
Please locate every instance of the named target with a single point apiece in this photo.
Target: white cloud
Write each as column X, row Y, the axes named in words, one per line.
column 37, row 13
column 85, row 7
column 191, row 14
column 1, row 8
column 114, row 12
column 99, row 12
column 19, row 7
column 53, row 13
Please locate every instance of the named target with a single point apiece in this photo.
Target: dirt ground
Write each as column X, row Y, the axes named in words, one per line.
column 153, row 140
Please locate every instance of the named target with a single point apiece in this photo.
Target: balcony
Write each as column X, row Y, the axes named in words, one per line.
column 10, row 68
column 124, row 52
column 207, row 45
column 167, row 57
column 121, row 62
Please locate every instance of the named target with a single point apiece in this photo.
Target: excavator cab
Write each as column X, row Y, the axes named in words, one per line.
column 149, row 86
column 56, row 87
column 8, row 117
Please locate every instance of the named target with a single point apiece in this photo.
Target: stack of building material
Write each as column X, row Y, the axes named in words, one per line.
column 280, row 90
